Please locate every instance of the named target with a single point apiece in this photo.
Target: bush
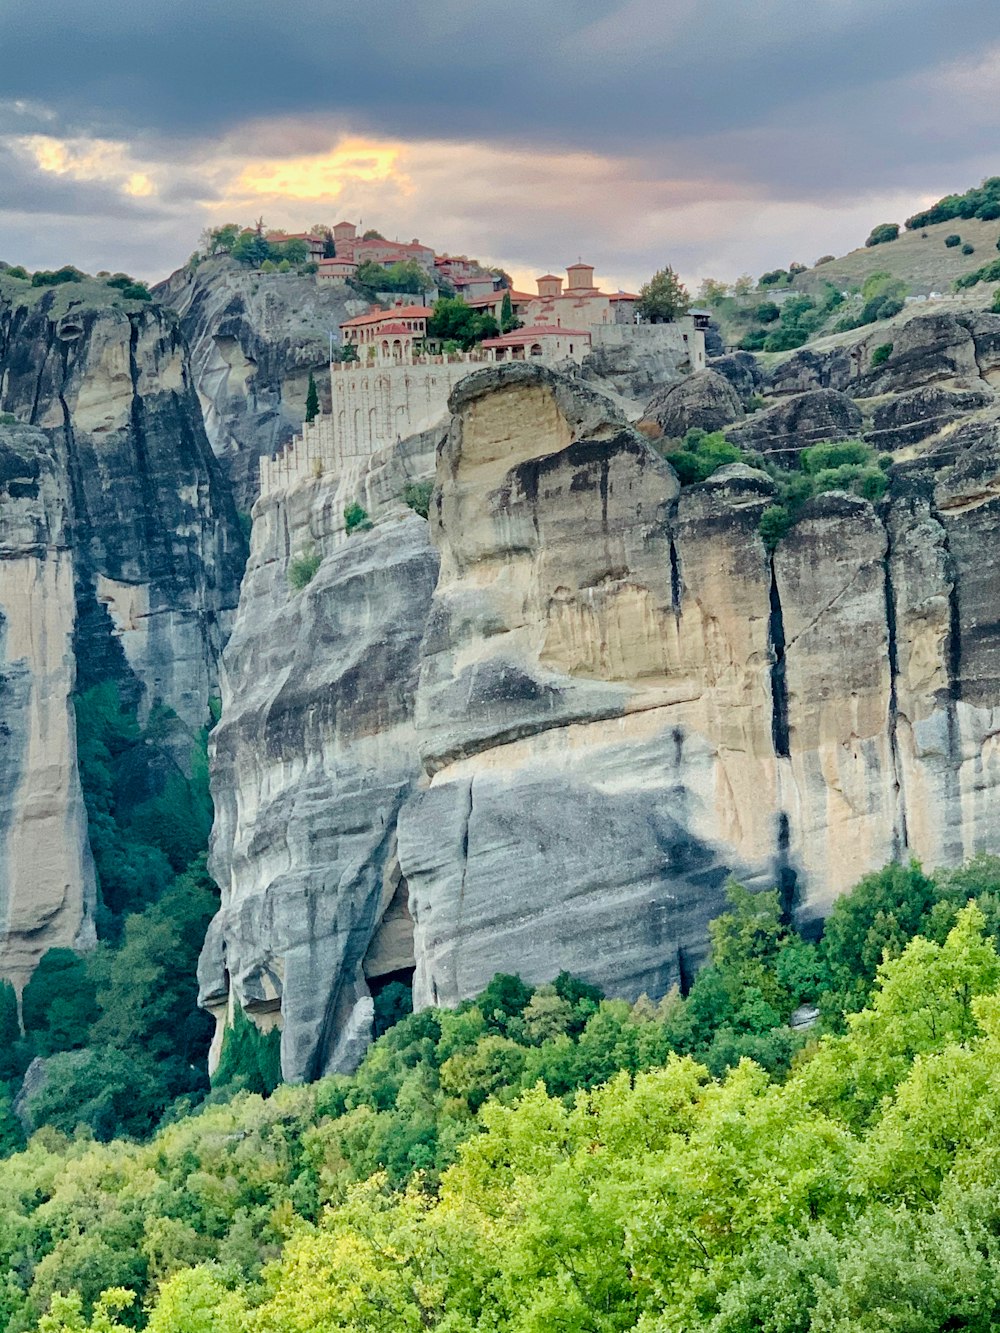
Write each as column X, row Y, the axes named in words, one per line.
column 952, row 240
column 753, row 341
column 835, row 453
column 355, row 518
column 988, row 273
column 784, row 339
column 250, row 1060
column 881, row 354
column 836, row 465
column 884, row 232
column 56, row 277
column 302, row 569
column 700, row 454
column 824, row 259
column 417, row 494
column 776, row 277
column 968, row 249
column 16, row 271
column 996, row 301
column 774, row 524
column 767, row 312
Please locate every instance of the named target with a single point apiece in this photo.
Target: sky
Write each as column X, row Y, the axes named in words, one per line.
column 718, row 136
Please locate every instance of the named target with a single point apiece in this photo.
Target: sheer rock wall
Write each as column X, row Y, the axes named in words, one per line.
column 120, row 558
column 604, row 695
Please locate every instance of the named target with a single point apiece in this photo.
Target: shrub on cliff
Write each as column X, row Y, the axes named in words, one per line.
column 952, row 240
column 699, row 454
column 302, row 568
column 356, row 518
column 250, row 1060
column 417, row 494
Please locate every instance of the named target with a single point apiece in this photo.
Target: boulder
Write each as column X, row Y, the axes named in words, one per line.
column 742, row 370
column 925, row 350
column 706, row 400
column 808, row 369
column 785, row 429
column 907, row 418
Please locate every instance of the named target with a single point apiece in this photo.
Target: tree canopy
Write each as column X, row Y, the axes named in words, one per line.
column 543, row 1157
column 663, row 298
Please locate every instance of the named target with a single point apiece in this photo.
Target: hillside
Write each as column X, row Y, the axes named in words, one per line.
column 919, row 258
column 542, row 1158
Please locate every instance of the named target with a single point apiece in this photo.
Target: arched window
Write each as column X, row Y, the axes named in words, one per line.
column 536, row 349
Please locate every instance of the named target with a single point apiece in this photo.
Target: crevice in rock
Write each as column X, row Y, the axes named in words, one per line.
column 787, row 878
column 153, row 537
column 461, row 887
column 900, row 835
column 675, row 579
column 779, row 678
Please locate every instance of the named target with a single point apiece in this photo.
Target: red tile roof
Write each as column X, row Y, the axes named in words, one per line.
column 396, row 328
column 397, row 312
column 533, row 333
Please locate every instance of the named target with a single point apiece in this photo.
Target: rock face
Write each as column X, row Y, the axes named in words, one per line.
column 254, row 339
column 120, row 557
column 541, row 731
column 791, row 425
column 906, row 418
column 47, row 887
column 633, row 371
column 809, row 369
column 315, row 755
column 929, row 349
column 742, row 370
column 706, row 400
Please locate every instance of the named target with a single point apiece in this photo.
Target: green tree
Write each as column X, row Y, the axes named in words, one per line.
column 250, row 1060
column 454, row 321
column 507, row 320
column 59, row 1003
column 664, row 298
column 883, row 233
column 312, row 399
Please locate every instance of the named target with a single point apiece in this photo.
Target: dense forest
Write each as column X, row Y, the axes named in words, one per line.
column 544, row 1158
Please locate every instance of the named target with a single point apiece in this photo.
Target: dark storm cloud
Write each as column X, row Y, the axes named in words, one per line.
column 24, row 190
column 631, row 76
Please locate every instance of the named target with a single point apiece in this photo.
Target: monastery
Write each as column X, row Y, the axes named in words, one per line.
column 398, row 381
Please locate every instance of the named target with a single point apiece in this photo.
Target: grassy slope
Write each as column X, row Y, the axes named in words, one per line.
column 920, row 258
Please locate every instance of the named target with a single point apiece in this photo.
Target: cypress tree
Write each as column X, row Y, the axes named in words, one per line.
column 312, row 400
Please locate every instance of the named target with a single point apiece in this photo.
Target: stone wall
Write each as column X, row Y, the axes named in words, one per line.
column 679, row 338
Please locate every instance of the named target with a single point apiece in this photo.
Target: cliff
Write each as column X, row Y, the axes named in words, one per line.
column 545, row 727
column 254, row 338
column 120, row 558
